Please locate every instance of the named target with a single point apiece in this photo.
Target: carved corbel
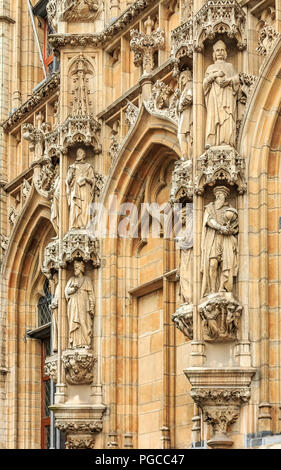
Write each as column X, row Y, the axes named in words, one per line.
column 78, row 364
column 183, row 319
column 220, row 17
column 220, row 393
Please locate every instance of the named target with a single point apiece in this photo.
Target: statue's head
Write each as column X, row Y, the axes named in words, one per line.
column 219, row 51
column 185, row 77
column 221, row 193
column 79, row 267
column 80, row 154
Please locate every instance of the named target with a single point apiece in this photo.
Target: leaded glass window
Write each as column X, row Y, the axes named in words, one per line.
column 44, row 311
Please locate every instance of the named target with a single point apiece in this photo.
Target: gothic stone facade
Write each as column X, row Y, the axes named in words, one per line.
column 167, row 341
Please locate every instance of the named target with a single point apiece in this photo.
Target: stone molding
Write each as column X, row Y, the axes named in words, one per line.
column 47, row 88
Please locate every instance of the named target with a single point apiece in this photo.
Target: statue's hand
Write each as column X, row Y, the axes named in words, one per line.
column 225, row 82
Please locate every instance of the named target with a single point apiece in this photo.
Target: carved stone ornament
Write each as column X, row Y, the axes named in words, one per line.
column 80, row 422
column 144, row 45
column 183, row 319
column 51, row 367
column 131, row 114
column 25, row 190
column 220, row 164
column 83, row 40
column 220, row 17
column 114, row 148
column 182, row 182
column 79, row 426
column 267, row 32
column 72, row 11
column 163, row 101
column 47, row 88
column 78, row 364
column 182, row 45
column 80, row 442
column 220, row 393
column 80, row 244
column 13, row 216
column 4, row 241
column 51, row 258
column 44, row 175
column 221, row 315
column 247, row 83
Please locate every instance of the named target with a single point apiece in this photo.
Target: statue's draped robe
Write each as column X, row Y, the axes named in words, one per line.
column 55, row 206
column 80, row 196
column 185, row 119
column 221, row 106
column 218, row 246
column 185, row 247
column 80, row 299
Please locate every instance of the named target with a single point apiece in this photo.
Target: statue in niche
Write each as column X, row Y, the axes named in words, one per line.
column 56, row 201
column 185, row 114
column 54, row 308
column 219, row 244
column 80, row 298
column 221, row 84
column 185, row 244
column 80, row 183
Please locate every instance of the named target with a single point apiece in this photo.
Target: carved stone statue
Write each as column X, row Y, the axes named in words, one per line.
column 221, row 86
column 219, row 244
column 185, row 244
column 185, row 114
column 55, row 201
column 80, row 298
column 80, row 183
column 54, row 307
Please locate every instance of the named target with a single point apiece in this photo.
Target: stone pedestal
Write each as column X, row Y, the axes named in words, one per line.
column 220, row 393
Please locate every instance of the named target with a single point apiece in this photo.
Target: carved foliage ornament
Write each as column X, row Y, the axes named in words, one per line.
column 80, row 442
column 79, row 426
